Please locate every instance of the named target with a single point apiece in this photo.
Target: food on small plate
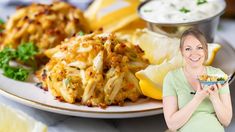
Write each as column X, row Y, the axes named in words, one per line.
column 96, row 69
column 212, row 79
column 12, row 120
column 44, row 25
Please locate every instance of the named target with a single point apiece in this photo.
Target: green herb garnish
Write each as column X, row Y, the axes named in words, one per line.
column 221, row 79
column 184, row 10
column 200, row 2
column 1, row 21
column 25, row 53
column 6, row 55
column 81, row 33
column 1, row 25
column 16, row 73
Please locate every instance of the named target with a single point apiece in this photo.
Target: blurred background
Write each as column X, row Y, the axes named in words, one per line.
column 230, row 11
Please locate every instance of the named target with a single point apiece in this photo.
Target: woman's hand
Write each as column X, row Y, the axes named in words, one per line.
column 201, row 94
column 213, row 91
column 221, row 103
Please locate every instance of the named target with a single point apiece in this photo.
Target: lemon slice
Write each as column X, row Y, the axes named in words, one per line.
column 17, row 121
column 213, row 48
column 151, row 78
column 157, row 48
column 111, row 15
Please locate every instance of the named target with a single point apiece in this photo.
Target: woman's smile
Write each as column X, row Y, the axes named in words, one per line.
column 195, row 59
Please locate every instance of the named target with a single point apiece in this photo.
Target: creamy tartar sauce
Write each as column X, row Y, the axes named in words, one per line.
column 180, row 11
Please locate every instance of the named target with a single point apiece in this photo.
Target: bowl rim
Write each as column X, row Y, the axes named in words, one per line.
column 178, row 23
column 213, row 82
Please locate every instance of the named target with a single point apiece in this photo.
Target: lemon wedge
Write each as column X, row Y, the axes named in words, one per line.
column 213, row 48
column 151, row 78
column 12, row 121
column 111, row 15
column 157, row 48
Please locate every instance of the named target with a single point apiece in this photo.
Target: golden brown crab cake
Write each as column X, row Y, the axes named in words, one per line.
column 44, row 25
column 95, row 69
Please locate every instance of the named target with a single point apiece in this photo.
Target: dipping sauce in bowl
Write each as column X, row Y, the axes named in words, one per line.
column 172, row 17
column 180, row 11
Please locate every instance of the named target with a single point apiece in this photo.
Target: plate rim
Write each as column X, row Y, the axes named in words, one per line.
column 39, row 105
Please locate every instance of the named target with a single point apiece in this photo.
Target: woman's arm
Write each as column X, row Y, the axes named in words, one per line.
column 175, row 118
column 222, row 105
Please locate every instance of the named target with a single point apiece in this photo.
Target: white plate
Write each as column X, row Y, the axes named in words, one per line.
column 29, row 94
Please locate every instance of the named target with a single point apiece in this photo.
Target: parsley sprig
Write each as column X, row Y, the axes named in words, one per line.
column 1, row 25
column 16, row 73
column 1, row 21
column 6, row 55
column 25, row 53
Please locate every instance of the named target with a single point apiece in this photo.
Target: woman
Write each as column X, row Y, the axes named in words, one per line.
column 187, row 107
